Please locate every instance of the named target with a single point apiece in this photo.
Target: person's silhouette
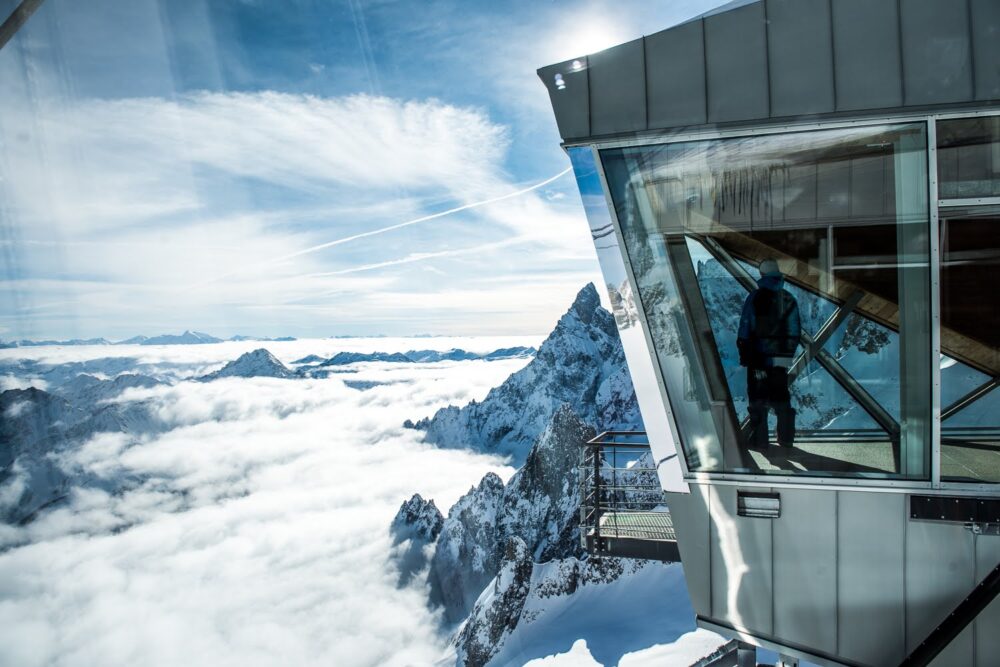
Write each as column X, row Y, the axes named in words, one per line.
column 769, row 334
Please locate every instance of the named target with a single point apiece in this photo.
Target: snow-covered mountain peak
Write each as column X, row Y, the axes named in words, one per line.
column 581, row 364
column 417, row 524
column 586, row 304
column 259, row 363
column 417, row 519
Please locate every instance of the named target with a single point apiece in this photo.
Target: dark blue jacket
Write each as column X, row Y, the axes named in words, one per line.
column 770, row 325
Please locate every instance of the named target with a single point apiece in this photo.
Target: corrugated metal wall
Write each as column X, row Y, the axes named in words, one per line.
column 831, row 572
column 785, row 58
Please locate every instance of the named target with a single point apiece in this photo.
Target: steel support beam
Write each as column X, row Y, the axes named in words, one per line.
column 17, row 19
column 970, row 398
column 966, row 611
column 824, row 334
column 857, row 392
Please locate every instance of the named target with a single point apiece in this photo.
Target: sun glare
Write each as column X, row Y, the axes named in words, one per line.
column 586, row 39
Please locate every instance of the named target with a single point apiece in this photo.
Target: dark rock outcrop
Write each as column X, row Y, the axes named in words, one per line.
column 417, row 524
column 539, row 506
column 467, row 557
column 498, row 611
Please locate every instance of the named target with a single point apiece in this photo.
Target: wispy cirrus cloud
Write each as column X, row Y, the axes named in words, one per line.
column 222, row 199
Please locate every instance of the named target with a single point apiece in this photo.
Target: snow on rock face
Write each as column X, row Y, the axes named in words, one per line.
column 32, row 426
column 259, row 363
column 542, row 500
column 36, row 426
column 32, row 422
column 539, row 507
column 523, row 593
column 417, row 518
column 498, row 609
column 581, row 363
column 417, row 524
column 86, row 390
column 466, row 557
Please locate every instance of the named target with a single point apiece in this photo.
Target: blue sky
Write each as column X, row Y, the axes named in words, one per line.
column 169, row 165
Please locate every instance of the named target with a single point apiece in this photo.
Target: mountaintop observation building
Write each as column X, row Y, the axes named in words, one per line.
column 856, row 143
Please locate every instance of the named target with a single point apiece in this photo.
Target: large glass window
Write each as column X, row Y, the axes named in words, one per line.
column 968, row 157
column 970, row 341
column 785, row 281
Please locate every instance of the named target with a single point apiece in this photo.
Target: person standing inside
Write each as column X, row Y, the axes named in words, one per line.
column 768, row 337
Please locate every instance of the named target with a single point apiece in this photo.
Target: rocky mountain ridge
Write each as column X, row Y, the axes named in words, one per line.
column 538, row 506
column 497, row 536
column 416, row 356
column 581, row 364
column 415, row 527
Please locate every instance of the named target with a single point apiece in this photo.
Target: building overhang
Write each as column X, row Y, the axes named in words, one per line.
column 767, row 62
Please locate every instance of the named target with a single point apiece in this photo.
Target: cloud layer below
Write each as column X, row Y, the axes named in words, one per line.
column 258, row 534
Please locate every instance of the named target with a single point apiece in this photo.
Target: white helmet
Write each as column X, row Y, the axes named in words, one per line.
column 769, row 267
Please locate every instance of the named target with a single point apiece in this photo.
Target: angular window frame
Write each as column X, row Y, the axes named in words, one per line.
column 944, row 204
column 777, row 481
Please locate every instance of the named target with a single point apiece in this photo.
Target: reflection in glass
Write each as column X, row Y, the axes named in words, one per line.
column 968, row 157
column 970, row 403
column 623, row 305
column 843, row 215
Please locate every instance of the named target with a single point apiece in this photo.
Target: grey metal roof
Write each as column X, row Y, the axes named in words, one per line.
column 750, row 62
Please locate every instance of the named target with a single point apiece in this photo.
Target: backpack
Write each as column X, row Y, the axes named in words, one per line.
column 771, row 335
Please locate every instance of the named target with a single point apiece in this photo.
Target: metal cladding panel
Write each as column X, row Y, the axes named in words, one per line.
column 785, row 58
column 805, row 569
column 571, row 104
column 675, row 76
column 937, row 55
column 988, row 622
column 866, row 54
column 736, row 64
column 691, row 521
column 618, row 89
column 870, row 577
column 986, row 48
column 800, row 57
column 940, row 572
column 740, row 551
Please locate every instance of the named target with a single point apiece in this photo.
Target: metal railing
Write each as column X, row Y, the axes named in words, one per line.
column 622, row 509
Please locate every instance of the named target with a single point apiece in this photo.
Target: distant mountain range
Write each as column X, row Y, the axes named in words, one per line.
column 186, row 338
column 416, row 356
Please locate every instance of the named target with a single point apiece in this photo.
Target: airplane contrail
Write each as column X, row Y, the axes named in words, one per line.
column 383, row 230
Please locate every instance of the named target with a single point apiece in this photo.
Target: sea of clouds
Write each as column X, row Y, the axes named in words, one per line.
column 256, row 532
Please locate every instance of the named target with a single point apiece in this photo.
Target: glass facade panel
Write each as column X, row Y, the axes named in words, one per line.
column 821, row 366
column 969, row 157
column 970, row 327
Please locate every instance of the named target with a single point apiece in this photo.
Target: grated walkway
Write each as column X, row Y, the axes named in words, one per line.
column 638, row 525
